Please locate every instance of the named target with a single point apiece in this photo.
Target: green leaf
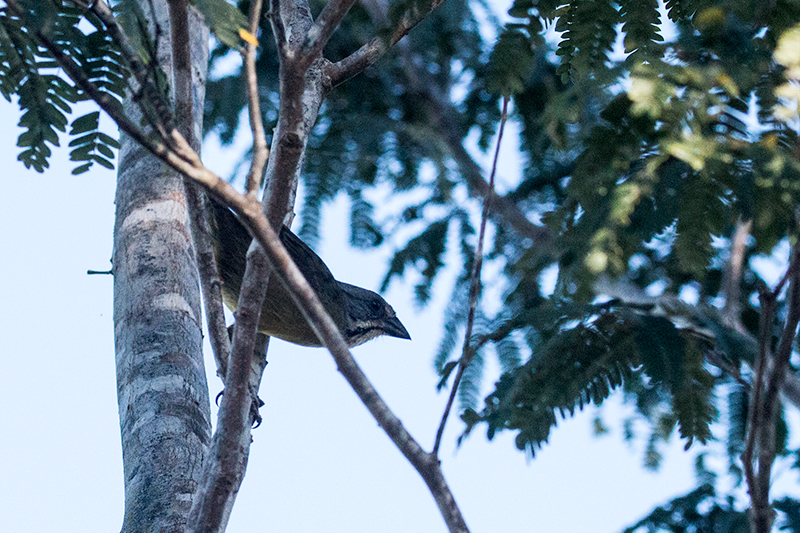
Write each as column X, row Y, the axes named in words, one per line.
column 224, row 20
column 85, row 123
column 81, row 169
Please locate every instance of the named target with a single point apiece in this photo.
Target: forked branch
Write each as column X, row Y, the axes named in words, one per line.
column 769, row 376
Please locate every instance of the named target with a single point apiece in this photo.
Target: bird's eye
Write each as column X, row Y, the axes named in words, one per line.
column 375, row 306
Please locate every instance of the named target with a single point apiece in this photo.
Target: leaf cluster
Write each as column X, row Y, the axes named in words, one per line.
column 590, row 351
column 46, row 97
column 704, row 511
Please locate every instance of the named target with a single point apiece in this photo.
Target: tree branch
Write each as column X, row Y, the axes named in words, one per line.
column 327, row 22
column 260, row 148
column 368, row 54
column 784, row 351
column 195, row 198
column 763, row 409
column 278, row 28
column 226, row 460
column 758, row 497
column 468, row 352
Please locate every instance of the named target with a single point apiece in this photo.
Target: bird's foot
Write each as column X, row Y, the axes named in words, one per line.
column 256, row 404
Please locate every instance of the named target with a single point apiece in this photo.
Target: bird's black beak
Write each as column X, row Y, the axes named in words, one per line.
column 394, row 328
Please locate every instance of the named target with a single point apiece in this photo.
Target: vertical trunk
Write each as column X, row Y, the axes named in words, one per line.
column 161, row 382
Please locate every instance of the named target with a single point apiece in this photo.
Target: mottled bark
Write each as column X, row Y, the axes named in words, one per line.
column 161, row 382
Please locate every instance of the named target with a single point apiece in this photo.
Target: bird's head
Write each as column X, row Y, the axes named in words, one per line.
column 369, row 316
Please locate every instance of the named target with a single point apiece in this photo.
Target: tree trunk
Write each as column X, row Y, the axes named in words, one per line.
column 161, row 381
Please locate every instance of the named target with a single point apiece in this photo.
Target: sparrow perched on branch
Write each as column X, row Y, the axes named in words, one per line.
column 360, row 314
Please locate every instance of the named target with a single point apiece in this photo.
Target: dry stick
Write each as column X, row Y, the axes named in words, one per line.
column 198, row 214
column 474, row 287
column 260, row 148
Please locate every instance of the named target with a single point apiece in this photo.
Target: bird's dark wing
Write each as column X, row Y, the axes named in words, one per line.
column 231, row 242
column 310, row 264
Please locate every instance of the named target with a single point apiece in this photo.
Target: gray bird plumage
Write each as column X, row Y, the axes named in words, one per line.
column 359, row 313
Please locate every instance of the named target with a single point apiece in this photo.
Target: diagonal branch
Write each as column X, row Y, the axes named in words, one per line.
column 368, row 54
column 153, row 104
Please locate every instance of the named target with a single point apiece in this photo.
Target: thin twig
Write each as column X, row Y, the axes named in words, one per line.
column 260, row 148
column 784, row 350
column 789, row 273
column 159, row 116
column 768, row 381
column 474, row 288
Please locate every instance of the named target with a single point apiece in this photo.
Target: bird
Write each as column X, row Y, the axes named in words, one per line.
column 360, row 314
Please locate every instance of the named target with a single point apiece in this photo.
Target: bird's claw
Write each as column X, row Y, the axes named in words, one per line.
column 255, row 405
